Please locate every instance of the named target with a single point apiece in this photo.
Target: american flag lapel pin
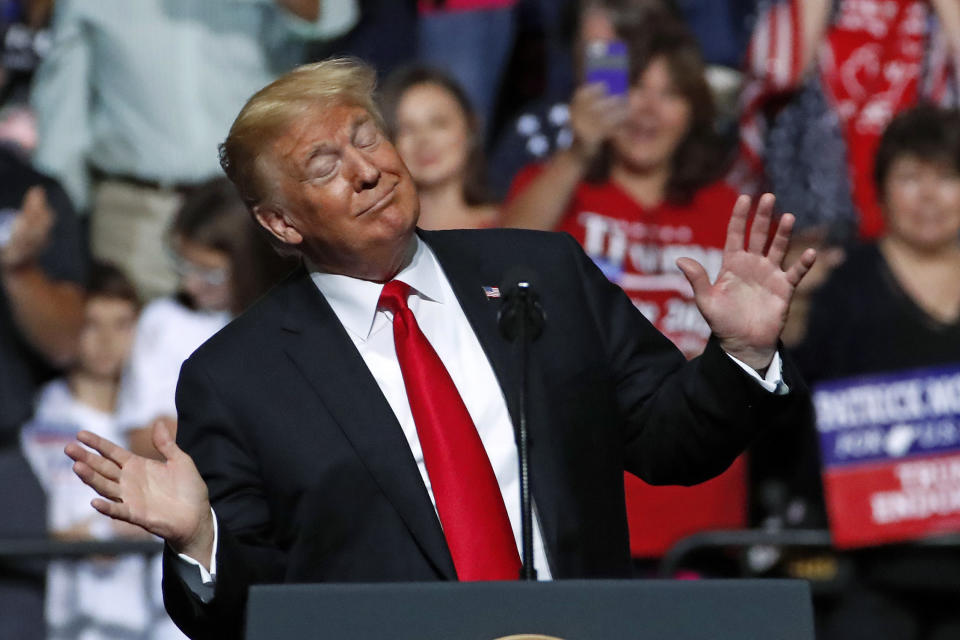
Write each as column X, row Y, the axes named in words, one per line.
column 491, row 292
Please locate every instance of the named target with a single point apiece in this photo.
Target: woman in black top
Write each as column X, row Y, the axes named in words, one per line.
column 896, row 304
column 892, row 306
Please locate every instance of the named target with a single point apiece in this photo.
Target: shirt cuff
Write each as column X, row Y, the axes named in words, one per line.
column 207, row 578
column 773, row 380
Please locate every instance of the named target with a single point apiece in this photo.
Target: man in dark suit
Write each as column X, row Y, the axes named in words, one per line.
column 304, row 419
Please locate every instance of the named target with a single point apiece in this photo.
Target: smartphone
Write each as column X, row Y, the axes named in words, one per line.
column 7, row 218
column 607, row 63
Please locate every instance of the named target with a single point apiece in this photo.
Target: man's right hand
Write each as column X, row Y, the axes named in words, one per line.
column 168, row 498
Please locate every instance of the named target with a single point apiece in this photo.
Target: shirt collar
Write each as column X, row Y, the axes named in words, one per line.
column 354, row 301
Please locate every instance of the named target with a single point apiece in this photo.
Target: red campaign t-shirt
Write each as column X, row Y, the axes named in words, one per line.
column 637, row 248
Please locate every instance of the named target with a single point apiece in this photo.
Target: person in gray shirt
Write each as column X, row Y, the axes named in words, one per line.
column 134, row 97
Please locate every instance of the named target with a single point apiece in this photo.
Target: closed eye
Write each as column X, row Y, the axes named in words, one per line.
column 322, row 166
column 367, row 135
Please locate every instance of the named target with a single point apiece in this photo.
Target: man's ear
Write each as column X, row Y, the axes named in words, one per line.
column 275, row 220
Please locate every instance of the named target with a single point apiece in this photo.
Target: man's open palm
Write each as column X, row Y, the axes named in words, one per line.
column 167, row 498
column 746, row 307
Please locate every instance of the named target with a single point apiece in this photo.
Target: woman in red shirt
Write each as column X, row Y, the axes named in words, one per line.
column 638, row 184
column 638, row 189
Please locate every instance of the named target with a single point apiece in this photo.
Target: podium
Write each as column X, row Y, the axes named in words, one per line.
column 570, row 610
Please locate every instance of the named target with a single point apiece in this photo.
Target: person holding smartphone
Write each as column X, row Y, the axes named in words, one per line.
column 638, row 186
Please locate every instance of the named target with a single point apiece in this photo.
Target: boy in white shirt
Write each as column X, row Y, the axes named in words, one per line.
column 104, row 597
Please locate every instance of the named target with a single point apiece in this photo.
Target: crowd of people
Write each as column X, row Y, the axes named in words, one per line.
column 123, row 248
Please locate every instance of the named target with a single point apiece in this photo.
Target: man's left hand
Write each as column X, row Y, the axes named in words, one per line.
column 746, row 307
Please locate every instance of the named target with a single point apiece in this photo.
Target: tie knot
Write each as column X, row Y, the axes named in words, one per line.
column 394, row 295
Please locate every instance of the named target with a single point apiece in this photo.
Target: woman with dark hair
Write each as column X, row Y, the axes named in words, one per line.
column 637, row 188
column 223, row 264
column 438, row 135
column 892, row 308
column 638, row 185
column 895, row 303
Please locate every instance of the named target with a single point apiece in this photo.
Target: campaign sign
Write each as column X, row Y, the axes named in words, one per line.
column 890, row 447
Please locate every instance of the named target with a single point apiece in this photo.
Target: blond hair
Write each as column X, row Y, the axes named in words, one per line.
column 270, row 111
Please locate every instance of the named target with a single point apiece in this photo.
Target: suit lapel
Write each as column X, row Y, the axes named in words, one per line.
column 320, row 348
column 468, row 275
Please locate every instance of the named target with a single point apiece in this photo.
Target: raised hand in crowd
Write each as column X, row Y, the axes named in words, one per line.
column 594, row 117
column 48, row 312
column 166, row 497
column 746, row 306
column 30, row 231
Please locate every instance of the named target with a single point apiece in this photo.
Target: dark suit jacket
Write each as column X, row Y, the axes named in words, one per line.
column 310, row 474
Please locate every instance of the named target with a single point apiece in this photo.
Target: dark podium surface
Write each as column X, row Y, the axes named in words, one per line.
column 572, row 610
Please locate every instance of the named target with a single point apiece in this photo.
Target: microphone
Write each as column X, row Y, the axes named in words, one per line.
column 521, row 319
column 521, row 314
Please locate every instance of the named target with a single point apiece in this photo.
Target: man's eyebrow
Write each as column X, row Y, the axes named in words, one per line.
column 326, row 147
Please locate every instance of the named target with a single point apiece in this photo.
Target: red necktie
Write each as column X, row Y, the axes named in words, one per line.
column 465, row 489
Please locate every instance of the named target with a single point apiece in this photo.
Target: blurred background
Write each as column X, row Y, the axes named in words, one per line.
column 631, row 125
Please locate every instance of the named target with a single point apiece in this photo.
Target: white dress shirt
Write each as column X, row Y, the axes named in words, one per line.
column 443, row 322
